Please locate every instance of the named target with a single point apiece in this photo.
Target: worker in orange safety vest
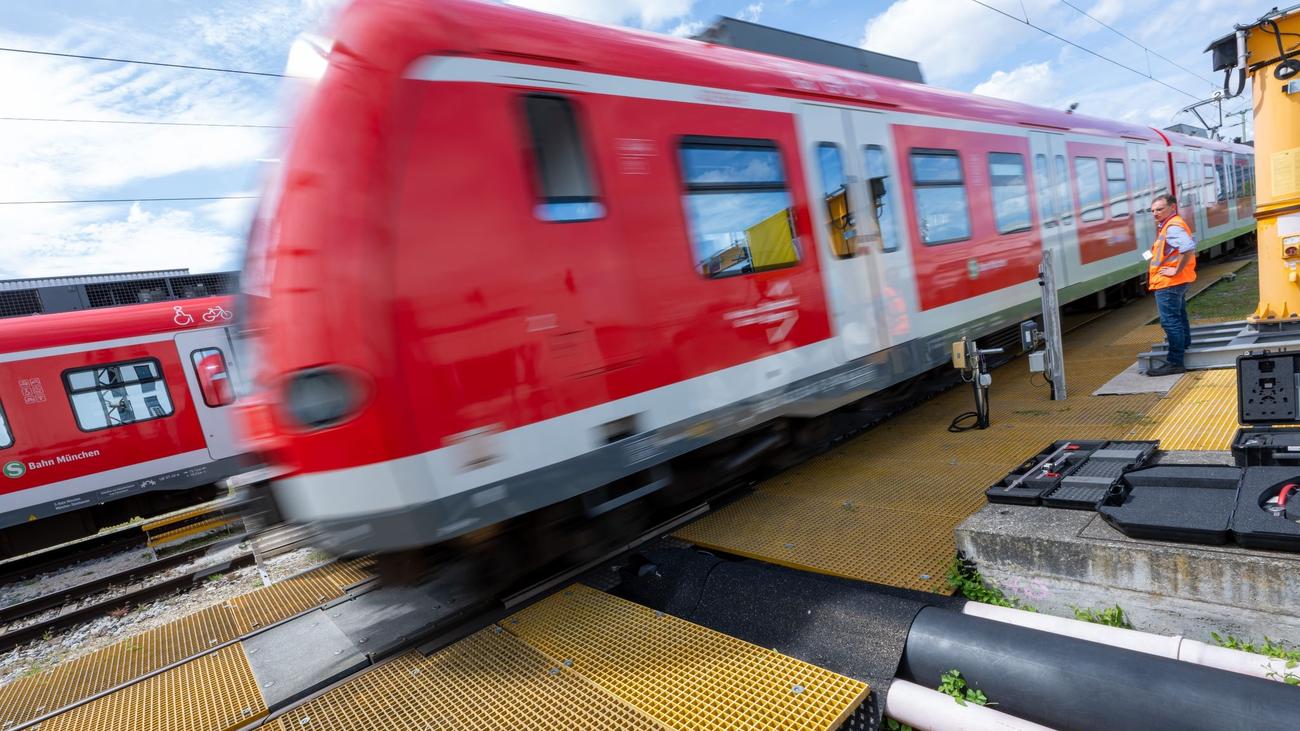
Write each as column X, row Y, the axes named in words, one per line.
column 1171, row 270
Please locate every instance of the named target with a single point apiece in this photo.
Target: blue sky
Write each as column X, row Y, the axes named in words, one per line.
column 960, row 44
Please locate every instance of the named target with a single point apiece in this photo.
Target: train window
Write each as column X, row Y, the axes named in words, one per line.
column 105, row 396
column 6, row 435
column 1159, row 178
column 738, row 206
column 835, row 190
column 213, row 377
column 565, row 182
column 1211, row 193
column 1088, row 176
column 1184, row 185
column 876, row 168
column 1062, row 190
column 1116, row 188
column 940, row 191
column 1043, row 189
column 1010, row 192
column 1222, row 184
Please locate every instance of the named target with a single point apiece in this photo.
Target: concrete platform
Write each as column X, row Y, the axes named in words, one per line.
column 1131, row 380
column 1057, row 559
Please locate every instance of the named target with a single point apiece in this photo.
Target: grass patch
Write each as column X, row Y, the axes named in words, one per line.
column 1228, row 299
column 1110, row 616
column 967, row 580
column 1269, row 648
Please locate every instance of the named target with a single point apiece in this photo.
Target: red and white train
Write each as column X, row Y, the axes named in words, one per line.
column 514, row 261
column 107, row 414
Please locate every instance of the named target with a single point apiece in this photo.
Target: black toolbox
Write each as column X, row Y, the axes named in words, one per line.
column 1077, row 473
column 1267, row 409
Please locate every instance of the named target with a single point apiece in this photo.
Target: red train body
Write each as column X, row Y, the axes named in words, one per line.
column 513, row 259
column 112, row 413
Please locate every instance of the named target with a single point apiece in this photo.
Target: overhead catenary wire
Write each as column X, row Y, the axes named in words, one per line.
column 129, row 200
column 1117, row 32
column 1085, row 49
column 149, row 122
column 163, row 64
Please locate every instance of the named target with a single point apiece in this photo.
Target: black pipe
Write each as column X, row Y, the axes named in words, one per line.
column 1067, row 683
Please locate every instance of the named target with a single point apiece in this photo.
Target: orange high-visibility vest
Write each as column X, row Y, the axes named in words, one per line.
column 1164, row 255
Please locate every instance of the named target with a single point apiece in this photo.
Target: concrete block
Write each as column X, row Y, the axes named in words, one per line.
column 1058, row 559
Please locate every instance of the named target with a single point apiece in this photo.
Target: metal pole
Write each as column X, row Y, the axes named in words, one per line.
column 1052, row 327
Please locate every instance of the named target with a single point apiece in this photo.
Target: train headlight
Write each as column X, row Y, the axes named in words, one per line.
column 321, row 397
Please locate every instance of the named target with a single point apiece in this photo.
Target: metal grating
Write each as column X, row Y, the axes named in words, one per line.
column 214, row 692
column 205, row 285
column 490, row 680
column 20, row 302
column 282, row 600
column 110, row 294
column 347, row 573
column 684, row 675
column 883, row 506
column 127, row 659
column 132, row 657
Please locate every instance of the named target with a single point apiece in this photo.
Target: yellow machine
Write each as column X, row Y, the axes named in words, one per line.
column 1267, row 52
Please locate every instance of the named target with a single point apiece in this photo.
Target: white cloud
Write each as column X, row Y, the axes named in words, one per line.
column 1032, row 83
column 645, row 13
column 688, row 28
column 68, row 240
column 951, row 38
column 752, row 12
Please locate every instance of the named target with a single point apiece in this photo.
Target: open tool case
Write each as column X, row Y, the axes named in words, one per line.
column 1076, row 474
column 1257, row 504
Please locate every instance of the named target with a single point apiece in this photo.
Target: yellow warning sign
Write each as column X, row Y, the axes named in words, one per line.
column 30, row 518
column 1286, row 173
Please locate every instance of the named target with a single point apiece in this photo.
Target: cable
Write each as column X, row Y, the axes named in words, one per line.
column 131, row 200
column 145, row 122
column 1114, row 30
column 1084, row 49
column 83, row 57
column 956, row 426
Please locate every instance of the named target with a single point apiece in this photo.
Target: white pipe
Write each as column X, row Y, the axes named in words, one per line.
column 1174, row 647
column 929, row 710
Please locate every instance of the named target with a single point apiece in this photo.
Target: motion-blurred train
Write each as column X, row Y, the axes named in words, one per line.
column 518, row 270
column 108, row 414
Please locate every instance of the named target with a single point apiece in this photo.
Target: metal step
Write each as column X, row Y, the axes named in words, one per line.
column 1218, row 345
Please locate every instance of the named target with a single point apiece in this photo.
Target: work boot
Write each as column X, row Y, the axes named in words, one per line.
column 1166, row 370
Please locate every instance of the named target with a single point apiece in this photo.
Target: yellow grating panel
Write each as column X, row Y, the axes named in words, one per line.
column 282, row 600
column 487, row 681
column 342, row 574
column 179, row 517
column 190, row 530
column 1200, row 413
column 882, row 506
column 210, row 693
column 127, row 659
column 861, row 541
column 684, row 675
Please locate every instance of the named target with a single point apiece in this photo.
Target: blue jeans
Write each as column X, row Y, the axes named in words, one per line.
column 1171, row 302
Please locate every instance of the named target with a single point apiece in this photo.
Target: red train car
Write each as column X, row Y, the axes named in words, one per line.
column 107, row 414
column 516, row 262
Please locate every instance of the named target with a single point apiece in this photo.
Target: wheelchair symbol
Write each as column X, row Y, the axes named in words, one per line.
column 182, row 317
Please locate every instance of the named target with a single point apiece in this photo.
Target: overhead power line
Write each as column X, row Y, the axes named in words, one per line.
column 159, row 123
column 130, row 200
column 190, row 67
column 1116, row 31
column 1085, row 49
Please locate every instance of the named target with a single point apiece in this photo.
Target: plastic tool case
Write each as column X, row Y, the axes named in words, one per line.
column 1267, row 409
column 1075, row 474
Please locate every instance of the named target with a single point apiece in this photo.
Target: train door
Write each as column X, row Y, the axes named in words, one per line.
column 1139, row 178
column 1055, row 208
column 213, row 380
column 846, row 242
column 878, row 202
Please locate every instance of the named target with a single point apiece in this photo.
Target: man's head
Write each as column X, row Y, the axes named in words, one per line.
column 1163, row 207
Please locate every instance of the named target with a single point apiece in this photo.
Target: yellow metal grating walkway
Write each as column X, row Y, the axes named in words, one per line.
column 132, row 657
column 583, row 659
column 214, row 692
column 883, row 507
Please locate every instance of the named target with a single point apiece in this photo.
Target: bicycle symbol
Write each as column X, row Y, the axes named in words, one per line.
column 217, row 312
column 182, row 317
